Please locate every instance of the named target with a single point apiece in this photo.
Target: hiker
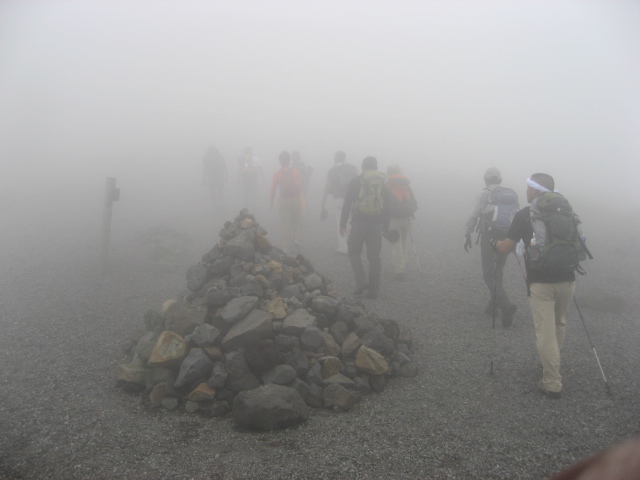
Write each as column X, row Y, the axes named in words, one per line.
column 367, row 202
column 402, row 206
column 304, row 170
column 214, row 178
column 249, row 166
column 550, row 278
column 290, row 202
column 481, row 220
column 336, row 185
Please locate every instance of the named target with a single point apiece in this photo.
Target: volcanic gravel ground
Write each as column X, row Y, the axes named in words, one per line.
column 62, row 330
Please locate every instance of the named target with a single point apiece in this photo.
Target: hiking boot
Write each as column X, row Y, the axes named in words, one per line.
column 549, row 393
column 399, row 277
column 360, row 289
column 507, row 315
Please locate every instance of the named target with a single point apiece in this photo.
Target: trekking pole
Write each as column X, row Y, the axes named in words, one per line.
column 415, row 252
column 606, row 384
column 493, row 322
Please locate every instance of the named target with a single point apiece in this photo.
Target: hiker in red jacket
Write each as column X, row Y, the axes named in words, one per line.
column 290, row 202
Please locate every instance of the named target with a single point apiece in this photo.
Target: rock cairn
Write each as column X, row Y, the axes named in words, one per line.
column 264, row 336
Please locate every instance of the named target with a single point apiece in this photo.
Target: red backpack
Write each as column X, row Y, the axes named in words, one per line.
column 289, row 184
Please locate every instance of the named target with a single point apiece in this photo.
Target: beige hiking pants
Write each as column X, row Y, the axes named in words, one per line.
column 549, row 302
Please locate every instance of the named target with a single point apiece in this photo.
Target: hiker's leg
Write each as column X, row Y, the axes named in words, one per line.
column 296, row 218
column 355, row 244
column 405, row 226
column 342, row 241
column 502, row 301
column 488, row 263
column 374, row 247
column 397, row 254
column 564, row 294
column 543, row 301
column 285, row 223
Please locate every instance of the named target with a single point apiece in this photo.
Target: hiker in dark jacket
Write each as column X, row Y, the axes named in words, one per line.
column 492, row 263
column 338, row 179
column 549, row 293
column 367, row 203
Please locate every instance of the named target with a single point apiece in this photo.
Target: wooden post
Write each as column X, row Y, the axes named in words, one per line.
column 111, row 194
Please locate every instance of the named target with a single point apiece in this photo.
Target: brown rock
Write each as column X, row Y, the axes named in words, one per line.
column 157, row 394
column 275, row 267
column 277, row 307
column 329, row 345
column 169, row 351
column 370, row 361
column 262, row 242
column 202, row 393
column 214, row 352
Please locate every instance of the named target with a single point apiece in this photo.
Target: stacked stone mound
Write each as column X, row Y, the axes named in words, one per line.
column 262, row 335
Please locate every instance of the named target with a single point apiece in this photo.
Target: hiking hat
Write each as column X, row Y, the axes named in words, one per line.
column 370, row 163
column 492, row 175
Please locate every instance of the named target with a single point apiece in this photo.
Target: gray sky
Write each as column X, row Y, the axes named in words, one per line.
column 96, row 88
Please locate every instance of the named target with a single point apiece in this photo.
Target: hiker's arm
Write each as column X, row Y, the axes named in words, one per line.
column 503, row 246
column 475, row 215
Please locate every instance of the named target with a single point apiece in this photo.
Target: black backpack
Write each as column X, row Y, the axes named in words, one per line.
column 557, row 246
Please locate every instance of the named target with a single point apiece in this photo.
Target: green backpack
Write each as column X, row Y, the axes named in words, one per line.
column 558, row 245
column 370, row 202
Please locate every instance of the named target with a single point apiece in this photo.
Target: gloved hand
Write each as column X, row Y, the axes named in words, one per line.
column 467, row 242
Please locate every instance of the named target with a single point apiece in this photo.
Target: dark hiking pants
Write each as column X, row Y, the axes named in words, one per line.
column 369, row 233
column 492, row 269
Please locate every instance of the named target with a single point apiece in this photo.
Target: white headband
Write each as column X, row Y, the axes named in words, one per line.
column 537, row 186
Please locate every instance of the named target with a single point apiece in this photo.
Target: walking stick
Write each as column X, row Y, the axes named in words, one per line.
column 606, row 384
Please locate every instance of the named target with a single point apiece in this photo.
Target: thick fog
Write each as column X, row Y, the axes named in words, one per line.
column 140, row 90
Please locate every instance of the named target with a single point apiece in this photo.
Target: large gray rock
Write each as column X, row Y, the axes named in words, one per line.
column 218, row 375
column 182, row 317
column 311, row 338
column 238, row 308
column 335, row 395
column 145, row 346
column 325, row 305
column 339, row 330
column 300, row 363
column 204, row 335
column 312, row 282
column 239, row 377
column 378, row 342
column 254, row 327
column 269, row 407
column 222, row 266
column 280, row 374
column 197, row 276
column 197, row 365
column 217, row 298
column 241, row 246
column 252, row 287
column 298, row 322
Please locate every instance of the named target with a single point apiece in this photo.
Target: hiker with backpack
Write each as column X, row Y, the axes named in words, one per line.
column 491, row 217
column 290, row 203
column 554, row 247
column 402, row 206
column 367, row 203
column 249, row 167
column 336, row 185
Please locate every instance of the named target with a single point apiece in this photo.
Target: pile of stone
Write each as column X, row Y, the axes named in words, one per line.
column 264, row 336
